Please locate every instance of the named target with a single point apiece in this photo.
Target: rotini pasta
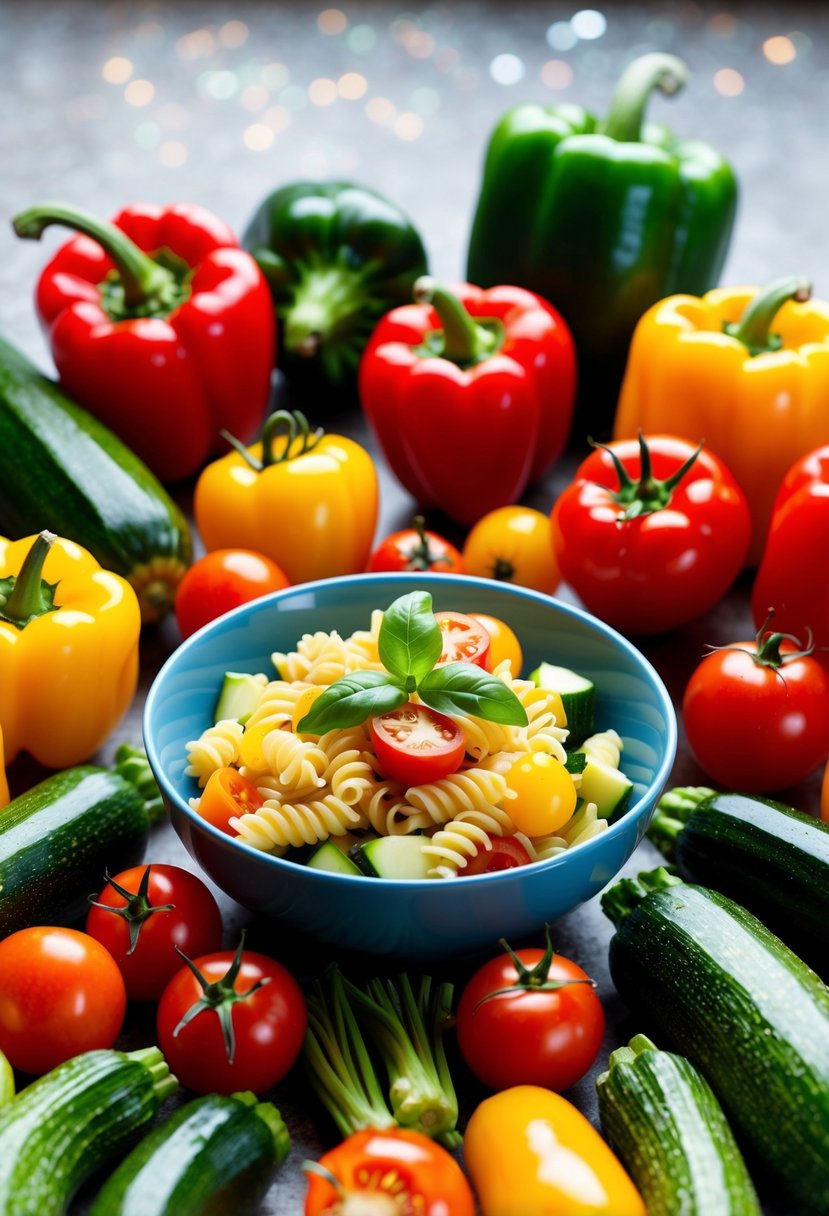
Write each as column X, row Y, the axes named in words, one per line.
column 215, row 748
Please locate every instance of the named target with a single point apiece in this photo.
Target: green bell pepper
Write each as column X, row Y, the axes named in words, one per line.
column 602, row 219
column 337, row 257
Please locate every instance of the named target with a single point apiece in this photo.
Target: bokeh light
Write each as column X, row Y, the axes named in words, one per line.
column 506, row 69
column 331, row 21
column 588, row 24
column 728, row 82
column 322, row 91
column 779, row 50
column 117, row 70
column 258, row 137
column 408, row 125
column 352, row 86
column 172, row 153
column 557, row 74
column 139, row 93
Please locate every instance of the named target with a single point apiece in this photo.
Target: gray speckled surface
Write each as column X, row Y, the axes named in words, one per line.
column 68, row 133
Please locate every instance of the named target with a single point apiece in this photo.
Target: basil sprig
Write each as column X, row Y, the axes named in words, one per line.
column 409, row 645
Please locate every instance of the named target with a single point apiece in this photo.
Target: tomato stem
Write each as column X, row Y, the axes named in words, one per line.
column 137, row 908
column 768, row 642
column 648, row 494
column 421, row 556
column 531, row 979
column 221, row 996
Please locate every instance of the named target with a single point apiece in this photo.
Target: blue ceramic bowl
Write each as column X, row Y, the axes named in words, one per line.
column 426, row 919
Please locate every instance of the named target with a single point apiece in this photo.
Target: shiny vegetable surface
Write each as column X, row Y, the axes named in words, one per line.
column 4, row 785
column 228, row 794
column 223, row 580
column 513, row 545
column 415, row 745
column 503, row 643
column 464, row 639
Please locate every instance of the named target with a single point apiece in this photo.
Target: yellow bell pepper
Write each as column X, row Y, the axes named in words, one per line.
column 68, row 649
column 529, row 1151
column 743, row 369
column 4, row 785
column 306, row 500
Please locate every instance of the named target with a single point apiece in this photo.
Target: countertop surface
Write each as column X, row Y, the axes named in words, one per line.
column 104, row 104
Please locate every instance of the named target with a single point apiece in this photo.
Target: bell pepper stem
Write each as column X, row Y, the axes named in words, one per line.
column 141, row 278
column 464, row 342
column 26, row 598
column 754, row 327
column 633, row 91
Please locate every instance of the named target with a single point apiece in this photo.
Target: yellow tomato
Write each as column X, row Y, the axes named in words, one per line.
column 503, row 644
column 543, row 796
column 513, row 545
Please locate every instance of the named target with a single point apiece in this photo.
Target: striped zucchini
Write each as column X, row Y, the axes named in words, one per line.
column 6, row 1081
column 664, row 1122
column 217, row 1155
column 61, row 469
column 62, row 1128
column 743, row 1008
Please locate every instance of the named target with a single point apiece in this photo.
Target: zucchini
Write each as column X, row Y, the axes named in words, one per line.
column 743, row 1008
column 602, row 780
column 328, row 857
column 6, row 1081
column 771, row 859
column 62, row 1128
column 578, row 698
column 240, row 693
column 667, row 1127
column 217, row 1155
column 399, row 857
column 60, row 468
column 58, row 839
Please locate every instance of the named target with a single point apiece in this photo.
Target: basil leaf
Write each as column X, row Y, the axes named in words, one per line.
column 464, row 688
column 410, row 640
column 350, row 700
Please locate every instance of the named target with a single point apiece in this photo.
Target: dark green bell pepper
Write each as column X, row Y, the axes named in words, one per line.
column 337, row 256
column 602, row 218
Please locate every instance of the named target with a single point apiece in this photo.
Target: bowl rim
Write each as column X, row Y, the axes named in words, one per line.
column 405, row 578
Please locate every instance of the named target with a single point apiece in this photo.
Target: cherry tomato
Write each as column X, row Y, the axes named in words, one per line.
column 465, row 639
column 542, row 795
column 503, row 643
column 513, row 545
column 234, row 1041
column 651, row 534
column 228, row 794
column 417, row 549
column 506, row 853
column 143, row 914
column 757, row 714
column 222, row 580
column 391, row 1171
column 61, row 994
column 514, row 1031
column 415, row 744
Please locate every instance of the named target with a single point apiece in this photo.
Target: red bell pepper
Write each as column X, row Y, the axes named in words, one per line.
column 160, row 325
column 793, row 577
column 470, row 396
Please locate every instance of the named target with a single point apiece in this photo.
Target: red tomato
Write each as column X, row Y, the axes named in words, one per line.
column 222, row 580
column 465, row 639
column 506, row 853
column 757, row 714
column 227, row 795
column 391, row 1171
column 511, row 1031
column 416, row 549
column 415, row 744
column 644, row 551
column 253, row 1000
column 503, row 643
column 145, row 915
column 60, row 994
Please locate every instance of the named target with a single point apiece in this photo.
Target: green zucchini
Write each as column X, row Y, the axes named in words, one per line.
column 578, row 698
column 745, row 1010
column 667, row 1127
column 6, row 1081
column 769, row 858
column 57, row 839
column 60, row 468
column 62, row 1128
column 217, row 1155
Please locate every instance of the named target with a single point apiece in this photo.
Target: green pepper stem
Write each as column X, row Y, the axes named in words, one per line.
column 141, row 278
column 26, row 598
column 633, row 91
column 464, row 341
column 754, row 327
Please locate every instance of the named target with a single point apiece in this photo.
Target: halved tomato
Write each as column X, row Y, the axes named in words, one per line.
column 415, row 745
column 506, row 853
column 465, row 640
column 228, row 794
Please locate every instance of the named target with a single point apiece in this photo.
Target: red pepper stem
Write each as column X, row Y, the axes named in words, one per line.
column 26, row 598
column 464, row 341
column 141, row 278
column 633, row 91
column 754, row 327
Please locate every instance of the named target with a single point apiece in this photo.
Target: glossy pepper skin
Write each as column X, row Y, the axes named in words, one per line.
column 470, row 394
column 336, row 256
column 308, row 500
column 4, row 785
column 160, row 325
column 529, row 1152
column 793, row 577
column 68, row 650
column 602, row 218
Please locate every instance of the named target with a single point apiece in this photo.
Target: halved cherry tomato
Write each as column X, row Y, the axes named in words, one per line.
column 389, row 1172
column 465, row 640
column 503, row 643
column 417, row 549
column 506, row 853
column 513, row 545
column 542, row 794
column 222, row 580
column 415, row 744
column 228, row 794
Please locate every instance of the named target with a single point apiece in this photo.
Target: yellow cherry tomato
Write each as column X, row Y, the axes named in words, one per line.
column 543, row 796
column 513, row 545
column 824, row 795
column 503, row 644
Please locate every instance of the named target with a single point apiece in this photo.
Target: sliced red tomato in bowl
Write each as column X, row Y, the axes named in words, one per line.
column 465, row 639
column 227, row 795
column 505, row 853
column 415, row 745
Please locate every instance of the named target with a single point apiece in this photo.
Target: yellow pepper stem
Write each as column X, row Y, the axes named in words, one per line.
column 26, row 595
column 294, row 425
column 754, row 328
